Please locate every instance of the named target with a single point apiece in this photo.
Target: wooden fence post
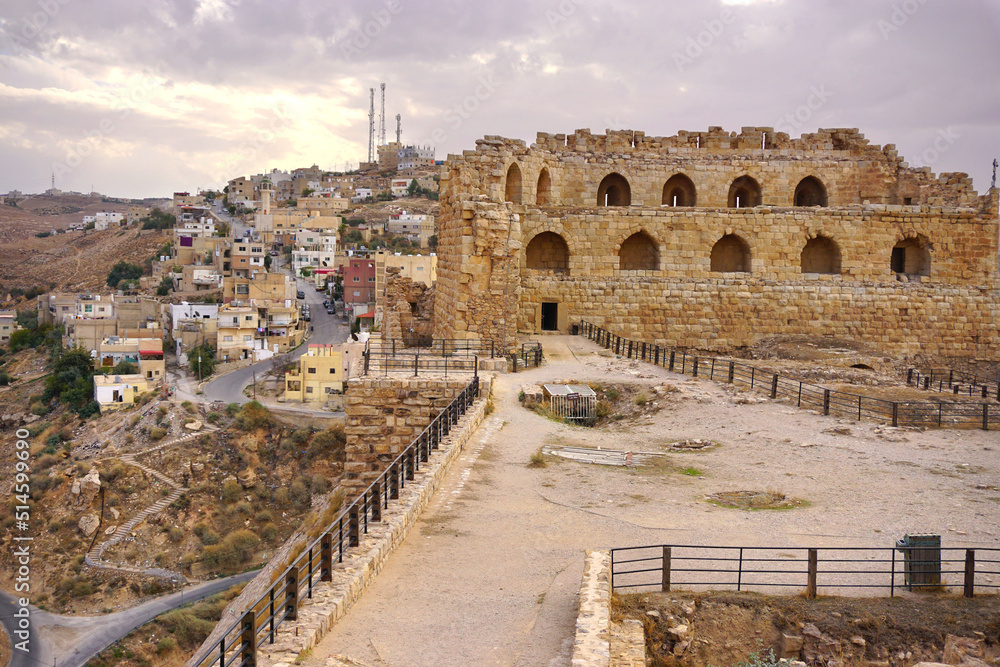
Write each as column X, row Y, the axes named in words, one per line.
column 694, row 367
column 672, row 355
column 986, row 416
column 732, row 371
column 813, row 570
column 665, row 584
column 774, row 387
column 826, row 401
column 895, row 414
column 326, row 558
column 970, row 573
column 353, row 529
column 292, row 595
column 248, row 640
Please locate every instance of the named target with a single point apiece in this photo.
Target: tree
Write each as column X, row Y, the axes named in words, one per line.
column 125, row 368
column 353, row 236
column 165, row 287
column 412, row 188
column 432, row 242
column 267, row 262
column 72, row 379
column 158, row 219
column 202, row 358
column 123, row 271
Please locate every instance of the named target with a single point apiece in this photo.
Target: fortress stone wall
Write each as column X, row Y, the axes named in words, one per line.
column 715, row 240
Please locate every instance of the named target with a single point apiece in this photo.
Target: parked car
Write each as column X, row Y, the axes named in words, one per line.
column 300, row 294
column 330, row 310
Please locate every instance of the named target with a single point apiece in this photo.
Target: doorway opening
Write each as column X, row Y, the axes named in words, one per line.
column 550, row 316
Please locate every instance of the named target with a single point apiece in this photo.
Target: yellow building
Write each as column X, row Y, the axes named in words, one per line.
column 324, row 205
column 320, row 373
column 119, row 391
column 418, row 268
column 237, row 334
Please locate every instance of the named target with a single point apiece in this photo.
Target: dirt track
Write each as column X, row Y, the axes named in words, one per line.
column 490, row 573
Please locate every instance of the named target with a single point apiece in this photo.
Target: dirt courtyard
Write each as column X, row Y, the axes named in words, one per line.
column 490, row 573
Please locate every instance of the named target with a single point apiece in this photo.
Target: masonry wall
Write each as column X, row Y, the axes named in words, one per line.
column 873, row 204
column 383, row 415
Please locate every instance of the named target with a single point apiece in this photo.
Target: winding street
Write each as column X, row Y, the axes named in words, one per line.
column 70, row 641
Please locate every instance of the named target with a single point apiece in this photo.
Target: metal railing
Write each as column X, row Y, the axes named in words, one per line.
column 281, row 601
column 814, row 570
column 530, row 355
column 809, row 396
column 439, row 356
column 959, row 383
column 442, row 347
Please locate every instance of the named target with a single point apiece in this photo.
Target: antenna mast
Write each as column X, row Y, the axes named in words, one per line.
column 381, row 118
column 399, row 128
column 371, row 125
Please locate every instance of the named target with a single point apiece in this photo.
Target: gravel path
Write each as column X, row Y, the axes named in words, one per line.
column 490, row 573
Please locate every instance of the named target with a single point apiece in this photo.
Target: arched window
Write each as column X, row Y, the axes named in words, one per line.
column 911, row 257
column 639, row 253
column 679, row 191
column 614, row 190
column 548, row 252
column 821, row 255
column 512, row 190
column 543, row 194
column 744, row 193
column 731, row 254
column 810, row 192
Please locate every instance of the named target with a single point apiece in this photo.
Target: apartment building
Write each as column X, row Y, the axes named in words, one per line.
column 359, row 283
column 247, row 257
column 323, row 204
column 145, row 353
column 237, row 333
column 262, row 286
column 114, row 392
column 8, row 325
column 321, row 372
column 417, row 228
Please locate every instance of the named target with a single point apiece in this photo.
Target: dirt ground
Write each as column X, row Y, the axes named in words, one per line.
column 724, row 628
column 491, row 572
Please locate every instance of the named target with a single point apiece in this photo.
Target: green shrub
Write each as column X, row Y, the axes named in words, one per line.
column 39, row 408
column 269, row 531
column 175, row 534
column 209, row 538
column 252, row 416
column 166, row 645
column 157, row 433
column 231, row 491
column 187, row 628
column 232, row 409
column 213, row 417
column 328, row 445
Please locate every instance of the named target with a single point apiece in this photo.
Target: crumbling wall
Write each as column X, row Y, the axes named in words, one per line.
column 408, row 313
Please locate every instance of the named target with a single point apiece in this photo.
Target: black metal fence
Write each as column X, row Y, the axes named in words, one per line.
column 959, row 383
column 439, row 356
column 857, row 570
column 281, row 601
column 530, row 355
column 809, row 396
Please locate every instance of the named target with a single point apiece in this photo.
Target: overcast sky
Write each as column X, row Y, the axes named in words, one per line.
column 145, row 97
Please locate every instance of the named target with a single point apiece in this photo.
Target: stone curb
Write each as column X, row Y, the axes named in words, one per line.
column 599, row 642
column 330, row 601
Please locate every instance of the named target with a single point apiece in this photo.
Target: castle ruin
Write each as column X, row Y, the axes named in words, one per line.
column 715, row 240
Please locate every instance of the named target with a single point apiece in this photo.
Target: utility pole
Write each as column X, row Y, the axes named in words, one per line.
column 255, row 385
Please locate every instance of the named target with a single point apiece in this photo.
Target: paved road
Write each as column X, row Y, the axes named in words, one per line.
column 73, row 640
column 37, row 653
column 326, row 329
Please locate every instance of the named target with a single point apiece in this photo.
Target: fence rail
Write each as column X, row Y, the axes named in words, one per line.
column 443, row 347
column 959, row 383
column 814, row 570
column 809, row 396
column 281, row 601
column 530, row 355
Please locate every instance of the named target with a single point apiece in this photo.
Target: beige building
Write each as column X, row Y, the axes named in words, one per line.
column 114, row 392
column 262, row 286
column 388, row 156
column 321, row 372
column 8, row 324
column 418, row 268
column 145, row 353
column 325, row 205
column 237, row 333
column 241, row 192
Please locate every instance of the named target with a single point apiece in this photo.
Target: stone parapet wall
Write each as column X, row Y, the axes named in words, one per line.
column 383, row 415
column 722, row 314
column 331, row 601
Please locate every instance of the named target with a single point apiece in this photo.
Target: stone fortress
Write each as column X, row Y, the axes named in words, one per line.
column 716, row 240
